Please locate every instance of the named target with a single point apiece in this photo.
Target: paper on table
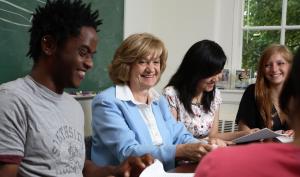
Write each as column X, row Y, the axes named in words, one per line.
column 157, row 170
column 285, row 139
column 261, row 134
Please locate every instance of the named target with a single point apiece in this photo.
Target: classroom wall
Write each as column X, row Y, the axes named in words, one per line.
column 180, row 23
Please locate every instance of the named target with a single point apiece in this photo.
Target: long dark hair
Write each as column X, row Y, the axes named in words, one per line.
column 203, row 59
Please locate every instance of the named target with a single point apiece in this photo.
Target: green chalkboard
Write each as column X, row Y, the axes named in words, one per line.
column 15, row 17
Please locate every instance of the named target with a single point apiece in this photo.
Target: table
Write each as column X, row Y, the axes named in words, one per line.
column 191, row 167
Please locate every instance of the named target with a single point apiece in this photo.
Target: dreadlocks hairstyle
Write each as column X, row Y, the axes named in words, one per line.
column 60, row 19
column 262, row 85
column 203, row 60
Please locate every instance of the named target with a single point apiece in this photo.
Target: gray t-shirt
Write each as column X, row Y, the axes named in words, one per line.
column 43, row 129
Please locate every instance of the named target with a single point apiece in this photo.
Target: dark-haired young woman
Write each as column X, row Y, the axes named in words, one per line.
column 192, row 94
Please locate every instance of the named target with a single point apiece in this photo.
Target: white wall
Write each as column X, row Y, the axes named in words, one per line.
column 180, row 23
column 137, row 16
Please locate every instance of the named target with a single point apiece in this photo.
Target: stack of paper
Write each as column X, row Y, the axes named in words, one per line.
column 157, row 170
column 285, row 139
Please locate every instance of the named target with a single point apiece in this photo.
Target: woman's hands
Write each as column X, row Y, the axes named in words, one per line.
column 192, row 152
column 290, row 133
column 246, row 132
column 253, row 130
column 216, row 142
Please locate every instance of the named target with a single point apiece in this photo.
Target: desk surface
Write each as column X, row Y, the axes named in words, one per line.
column 191, row 167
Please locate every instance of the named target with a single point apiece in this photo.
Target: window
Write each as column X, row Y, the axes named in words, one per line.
column 264, row 22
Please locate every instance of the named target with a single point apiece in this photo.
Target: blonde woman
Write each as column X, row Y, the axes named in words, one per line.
column 131, row 118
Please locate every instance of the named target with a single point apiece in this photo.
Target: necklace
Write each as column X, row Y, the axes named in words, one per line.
column 276, row 106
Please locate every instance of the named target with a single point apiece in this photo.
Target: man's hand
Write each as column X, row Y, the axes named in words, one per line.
column 133, row 166
column 8, row 170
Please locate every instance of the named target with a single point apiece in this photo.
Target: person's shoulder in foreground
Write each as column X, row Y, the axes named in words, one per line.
column 260, row 160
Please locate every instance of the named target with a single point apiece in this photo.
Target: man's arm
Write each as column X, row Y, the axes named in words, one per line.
column 132, row 167
column 8, row 170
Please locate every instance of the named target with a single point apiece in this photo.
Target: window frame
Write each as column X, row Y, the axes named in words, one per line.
column 239, row 30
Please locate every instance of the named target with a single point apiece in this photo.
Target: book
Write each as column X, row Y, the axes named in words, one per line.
column 261, row 134
column 157, row 170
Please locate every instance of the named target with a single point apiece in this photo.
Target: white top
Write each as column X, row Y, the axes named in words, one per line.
column 124, row 93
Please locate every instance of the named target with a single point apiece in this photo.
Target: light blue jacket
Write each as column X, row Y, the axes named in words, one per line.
column 119, row 131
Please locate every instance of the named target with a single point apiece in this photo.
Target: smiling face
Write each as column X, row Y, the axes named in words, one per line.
column 74, row 59
column 145, row 72
column 276, row 69
column 208, row 84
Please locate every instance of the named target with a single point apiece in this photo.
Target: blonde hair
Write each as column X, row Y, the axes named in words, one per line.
column 262, row 85
column 132, row 49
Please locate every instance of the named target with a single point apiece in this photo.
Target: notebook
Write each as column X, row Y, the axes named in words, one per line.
column 261, row 134
column 157, row 170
